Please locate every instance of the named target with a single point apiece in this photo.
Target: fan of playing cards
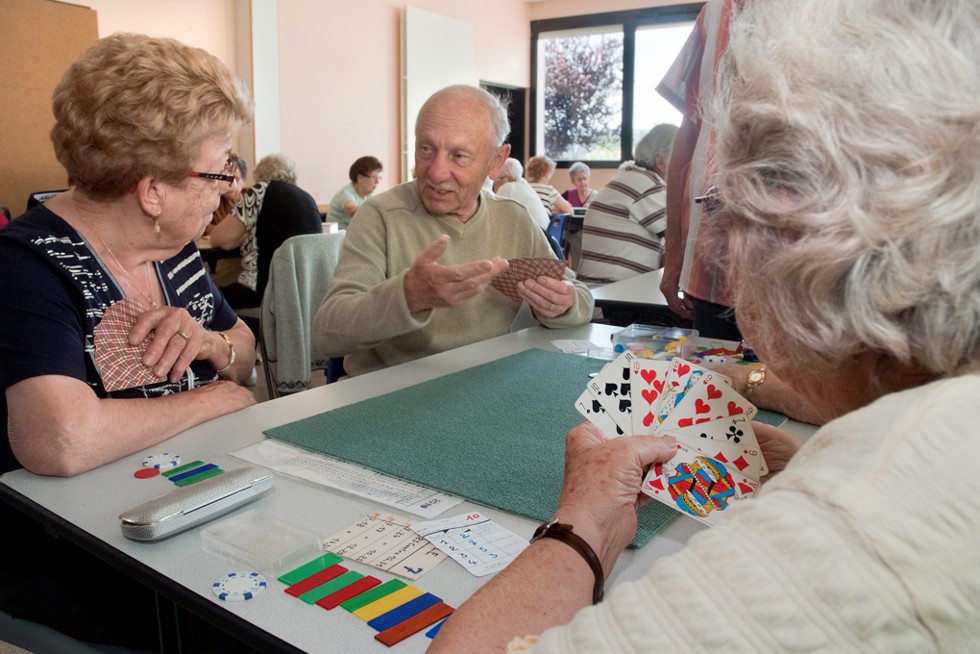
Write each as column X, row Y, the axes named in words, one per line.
column 718, row 460
column 524, row 269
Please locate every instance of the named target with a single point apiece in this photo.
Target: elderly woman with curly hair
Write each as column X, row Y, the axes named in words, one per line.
column 143, row 126
column 269, row 212
column 849, row 159
column 538, row 174
column 114, row 337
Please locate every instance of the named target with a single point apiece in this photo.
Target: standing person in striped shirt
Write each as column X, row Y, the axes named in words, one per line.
column 624, row 225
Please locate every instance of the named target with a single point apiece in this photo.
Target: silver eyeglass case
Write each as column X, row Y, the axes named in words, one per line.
column 187, row 507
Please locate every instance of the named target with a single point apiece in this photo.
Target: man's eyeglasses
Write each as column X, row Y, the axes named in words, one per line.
column 226, row 174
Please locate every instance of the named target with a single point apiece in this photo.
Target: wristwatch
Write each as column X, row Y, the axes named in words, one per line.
column 563, row 532
column 756, row 377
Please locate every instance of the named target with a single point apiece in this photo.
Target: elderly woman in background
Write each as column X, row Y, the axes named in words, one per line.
column 538, row 174
column 581, row 194
column 850, row 171
column 365, row 175
column 622, row 235
column 231, row 197
column 271, row 211
column 114, row 337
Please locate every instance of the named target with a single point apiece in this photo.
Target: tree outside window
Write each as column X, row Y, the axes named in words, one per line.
column 583, row 96
column 594, row 81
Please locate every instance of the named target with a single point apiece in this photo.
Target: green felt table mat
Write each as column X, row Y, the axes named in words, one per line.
column 494, row 434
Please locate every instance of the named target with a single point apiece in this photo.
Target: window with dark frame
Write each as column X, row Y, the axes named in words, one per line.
column 592, row 75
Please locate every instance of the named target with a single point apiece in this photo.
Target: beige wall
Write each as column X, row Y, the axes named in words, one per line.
column 339, row 65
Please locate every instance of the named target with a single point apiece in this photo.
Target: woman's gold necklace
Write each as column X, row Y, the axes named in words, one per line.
column 146, row 270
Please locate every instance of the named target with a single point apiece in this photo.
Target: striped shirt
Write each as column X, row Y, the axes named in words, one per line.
column 624, row 225
column 548, row 195
column 689, row 86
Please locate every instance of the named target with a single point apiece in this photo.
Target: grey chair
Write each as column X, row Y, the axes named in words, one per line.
column 299, row 274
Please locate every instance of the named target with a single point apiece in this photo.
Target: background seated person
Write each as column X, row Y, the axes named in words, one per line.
column 414, row 271
column 231, row 197
column 123, row 234
column 581, row 194
column 271, row 211
column 622, row 235
column 510, row 183
column 365, row 175
column 538, row 173
column 852, row 221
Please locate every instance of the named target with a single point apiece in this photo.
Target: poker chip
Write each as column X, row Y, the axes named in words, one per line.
column 239, row 586
column 163, row 461
column 146, row 473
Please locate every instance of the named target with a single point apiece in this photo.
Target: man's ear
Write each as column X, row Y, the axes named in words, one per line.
column 497, row 162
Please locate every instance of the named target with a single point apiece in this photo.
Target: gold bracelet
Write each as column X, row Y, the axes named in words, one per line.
column 231, row 349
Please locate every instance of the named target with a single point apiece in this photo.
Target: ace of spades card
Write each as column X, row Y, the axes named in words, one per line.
column 718, row 461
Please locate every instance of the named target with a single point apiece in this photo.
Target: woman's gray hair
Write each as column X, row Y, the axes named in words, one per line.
column 578, row 168
column 275, row 168
column 658, row 142
column 849, row 166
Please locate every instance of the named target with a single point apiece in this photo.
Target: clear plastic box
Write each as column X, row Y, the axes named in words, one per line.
column 261, row 542
column 652, row 342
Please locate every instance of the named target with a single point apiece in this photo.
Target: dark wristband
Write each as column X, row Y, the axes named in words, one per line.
column 563, row 532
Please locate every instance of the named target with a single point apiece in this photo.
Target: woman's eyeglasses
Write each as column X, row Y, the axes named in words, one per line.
column 226, row 174
column 711, row 200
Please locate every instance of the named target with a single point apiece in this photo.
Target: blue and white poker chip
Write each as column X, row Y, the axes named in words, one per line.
column 162, row 461
column 239, row 586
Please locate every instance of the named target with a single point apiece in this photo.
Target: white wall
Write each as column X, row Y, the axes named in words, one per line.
column 339, row 66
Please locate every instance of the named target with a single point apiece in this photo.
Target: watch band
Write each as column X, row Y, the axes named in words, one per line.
column 563, row 532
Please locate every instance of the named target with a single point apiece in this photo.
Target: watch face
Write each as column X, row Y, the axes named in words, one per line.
column 756, row 376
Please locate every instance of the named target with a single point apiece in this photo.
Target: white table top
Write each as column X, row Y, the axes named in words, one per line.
column 641, row 289
column 90, row 503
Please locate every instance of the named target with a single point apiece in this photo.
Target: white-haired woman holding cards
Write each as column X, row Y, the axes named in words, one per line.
column 849, row 145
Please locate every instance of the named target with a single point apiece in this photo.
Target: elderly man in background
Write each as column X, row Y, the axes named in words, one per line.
column 624, row 226
column 510, row 183
column 413, row 274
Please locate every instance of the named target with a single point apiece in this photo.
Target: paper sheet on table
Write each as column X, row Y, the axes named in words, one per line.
column 357, row 480
column 571, row 346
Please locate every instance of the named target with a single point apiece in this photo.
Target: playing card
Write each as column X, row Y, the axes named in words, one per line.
column 592, row 410
column 683, row 374
column 121, row 364
column 612, row 388
column 697, row 485
column 730, row 440
column 710, row 398
column 648, row 380
column 522, row 269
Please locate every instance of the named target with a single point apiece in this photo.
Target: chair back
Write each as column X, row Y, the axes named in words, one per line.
column 557, row 226
column 299, row 275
